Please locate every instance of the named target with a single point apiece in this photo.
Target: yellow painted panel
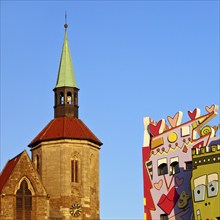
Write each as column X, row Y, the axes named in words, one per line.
column 156, row 143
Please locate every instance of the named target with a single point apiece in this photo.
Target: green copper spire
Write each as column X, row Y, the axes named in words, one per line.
column 66, row 75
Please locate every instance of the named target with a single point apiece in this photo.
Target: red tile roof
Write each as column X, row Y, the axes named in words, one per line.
column 6, row 172
column 65, row 127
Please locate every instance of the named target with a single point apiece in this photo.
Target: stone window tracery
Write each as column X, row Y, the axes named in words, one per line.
column 23, row 202
column 75, row 167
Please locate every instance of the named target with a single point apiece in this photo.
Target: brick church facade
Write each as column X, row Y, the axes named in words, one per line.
column 61, row 180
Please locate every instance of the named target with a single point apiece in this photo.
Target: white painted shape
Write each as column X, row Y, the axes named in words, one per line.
column 199, row 181
column 180, row 116
column 162, row 126
column 198, row 112
column 161, row 161
column 174, row 159
column 213, row 176
column 146, row 132
column 185, row 131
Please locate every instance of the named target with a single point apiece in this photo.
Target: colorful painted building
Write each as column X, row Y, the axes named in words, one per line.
column 168, row 165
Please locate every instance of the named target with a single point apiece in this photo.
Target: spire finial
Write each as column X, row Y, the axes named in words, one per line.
column 65, row 25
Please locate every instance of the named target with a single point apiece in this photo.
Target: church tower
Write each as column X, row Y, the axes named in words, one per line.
column 66, row 152
column 66, row 91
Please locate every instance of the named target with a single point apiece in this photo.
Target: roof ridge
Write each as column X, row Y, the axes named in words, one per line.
column 18, row 155
column 42, row 133
column 80, row 124
column 47, row 127
column 65, row 128
column 88, row 129
column 8, row 169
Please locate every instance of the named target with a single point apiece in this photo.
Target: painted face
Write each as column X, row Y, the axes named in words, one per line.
column 206, row 197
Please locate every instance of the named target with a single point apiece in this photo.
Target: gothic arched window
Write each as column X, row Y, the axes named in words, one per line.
column 69, row 98
column 75, row 170
column 23, row 202
column 61, row 98
column 37, row 163
column 75, row 98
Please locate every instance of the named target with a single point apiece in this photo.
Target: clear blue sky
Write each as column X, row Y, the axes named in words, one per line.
column 131, row 58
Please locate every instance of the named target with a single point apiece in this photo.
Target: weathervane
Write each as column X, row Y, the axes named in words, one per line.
column 65, row 25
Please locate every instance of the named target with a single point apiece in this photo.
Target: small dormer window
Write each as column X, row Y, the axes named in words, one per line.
column 162, row 169
column 69, row 98
column 162, row 166
column 188, row 165
column 163, row 217
column 174, row 166
column 61, row 98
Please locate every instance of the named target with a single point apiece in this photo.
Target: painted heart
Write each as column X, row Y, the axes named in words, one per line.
column 167, row 127
column 158, row 128
column 167, row 202
column 195, row 114
column 176, row 120
column 158, row 185
column 213, row 108
column 179, row 181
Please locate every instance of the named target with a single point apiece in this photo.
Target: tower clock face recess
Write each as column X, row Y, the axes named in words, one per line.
column 76, row 210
